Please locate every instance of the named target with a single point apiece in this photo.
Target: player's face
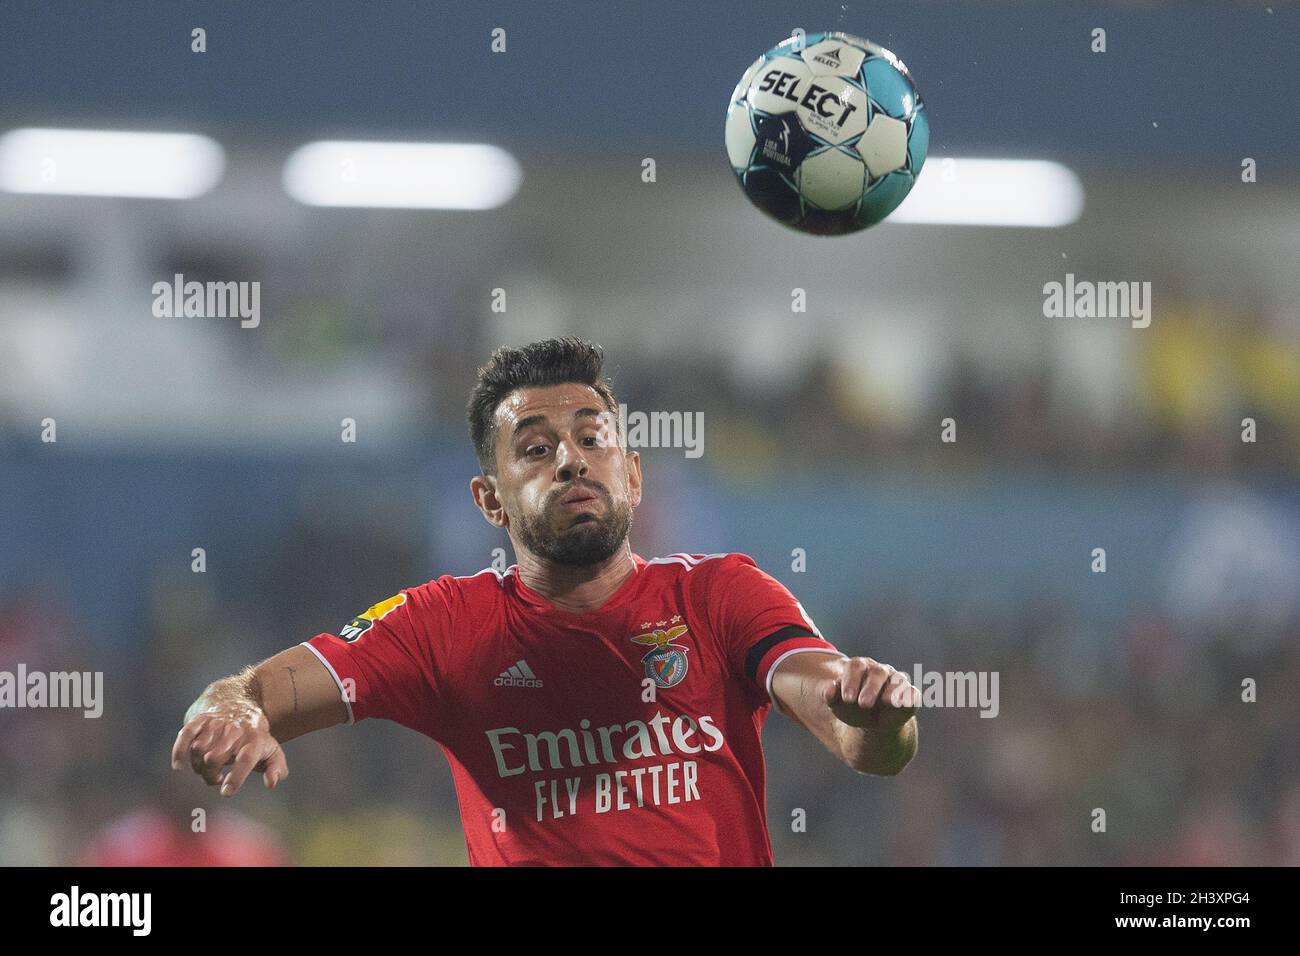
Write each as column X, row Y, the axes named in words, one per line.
column 565, row 486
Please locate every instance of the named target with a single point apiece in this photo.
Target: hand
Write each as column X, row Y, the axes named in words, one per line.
column 237, row 736
column 868, row 693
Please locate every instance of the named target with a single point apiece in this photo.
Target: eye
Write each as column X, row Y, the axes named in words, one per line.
column 535, row 449
column 594, row 441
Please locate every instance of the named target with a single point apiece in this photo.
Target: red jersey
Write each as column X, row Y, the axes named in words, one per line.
column 630, row 735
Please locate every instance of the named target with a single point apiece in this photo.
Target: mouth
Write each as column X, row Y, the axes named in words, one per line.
column 580, row 500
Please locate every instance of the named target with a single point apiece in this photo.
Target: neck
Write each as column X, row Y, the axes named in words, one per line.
column 576, row 589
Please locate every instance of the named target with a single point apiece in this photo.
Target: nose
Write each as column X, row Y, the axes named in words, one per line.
column 570, row 463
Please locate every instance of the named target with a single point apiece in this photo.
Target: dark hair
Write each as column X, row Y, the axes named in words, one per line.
column 538, row 364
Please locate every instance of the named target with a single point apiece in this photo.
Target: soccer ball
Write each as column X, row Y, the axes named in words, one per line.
column 826, row 133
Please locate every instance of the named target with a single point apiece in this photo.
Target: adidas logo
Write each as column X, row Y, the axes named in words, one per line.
column 518, row 674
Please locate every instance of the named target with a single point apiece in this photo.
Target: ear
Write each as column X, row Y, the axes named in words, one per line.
column 633, row 478
column 484, row 490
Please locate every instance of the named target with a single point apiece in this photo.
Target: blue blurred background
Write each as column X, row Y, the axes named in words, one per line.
column 1119, row 690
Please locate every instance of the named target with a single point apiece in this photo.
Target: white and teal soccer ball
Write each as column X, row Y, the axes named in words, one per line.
column 826, row 133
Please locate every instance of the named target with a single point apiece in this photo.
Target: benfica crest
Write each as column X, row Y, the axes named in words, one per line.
column 665, row 664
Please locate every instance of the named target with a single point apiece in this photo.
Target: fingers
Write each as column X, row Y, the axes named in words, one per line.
column 877, row 676
column 219, row 749
column 867, row 684
column 185, row 739
column 862, row 680
column 225, row 752
column 275, row 768
column 211, row 775
column 831, row 691
column 245, row 760
column 901, row 693
column 205, row 738
column 194, row 741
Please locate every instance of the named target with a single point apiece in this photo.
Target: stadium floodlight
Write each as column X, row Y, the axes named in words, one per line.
column 86, row 162
column 993, row 192
column 402, row 175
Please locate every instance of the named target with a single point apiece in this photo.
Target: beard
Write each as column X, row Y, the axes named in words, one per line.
column 588, row 540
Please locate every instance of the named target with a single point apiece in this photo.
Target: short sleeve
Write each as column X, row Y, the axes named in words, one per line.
column 757, row 619
column 384, row 660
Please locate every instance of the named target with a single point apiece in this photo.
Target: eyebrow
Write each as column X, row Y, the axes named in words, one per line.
column 539, row 419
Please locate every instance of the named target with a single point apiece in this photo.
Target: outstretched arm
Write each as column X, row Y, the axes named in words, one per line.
column 861, row 710
column 240, row 721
